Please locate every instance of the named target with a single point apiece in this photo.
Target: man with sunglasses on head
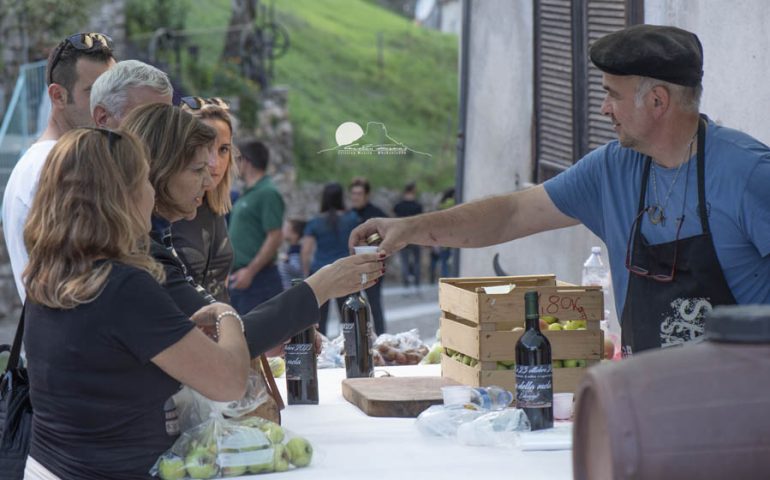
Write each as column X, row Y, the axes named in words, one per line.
column 680, row 202
column 73, row 67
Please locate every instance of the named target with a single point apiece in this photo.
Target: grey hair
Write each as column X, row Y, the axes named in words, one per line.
column 111, row 89
column 687, row 97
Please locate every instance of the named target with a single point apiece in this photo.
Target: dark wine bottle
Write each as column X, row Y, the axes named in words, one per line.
column 355, row 328
column 301, row 366
column 534, row 370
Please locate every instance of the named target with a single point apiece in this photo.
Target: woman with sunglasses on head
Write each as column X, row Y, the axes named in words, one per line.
column 106, row 344
column 203, row 243
column 179, row 172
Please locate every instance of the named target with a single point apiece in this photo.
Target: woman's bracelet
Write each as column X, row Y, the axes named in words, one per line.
column 229, row 313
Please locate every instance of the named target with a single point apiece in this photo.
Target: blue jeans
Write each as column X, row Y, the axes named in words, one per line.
column 265, row 285
column 410, row 264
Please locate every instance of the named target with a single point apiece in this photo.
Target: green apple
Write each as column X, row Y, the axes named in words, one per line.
column 549, row 319
column 555, row 326
column 571, row 325
column 450, row 352
column 434, row 356
column 570, row 363
column 508, row 363
column 581, row 363
column 467, row 360
column 201, row 463
column 234, row 471
column 557, row 364
column 273, row 432
column 300, row 451
column 281, row 458
column 501, row 366
column 277, row 366
column 171, row 467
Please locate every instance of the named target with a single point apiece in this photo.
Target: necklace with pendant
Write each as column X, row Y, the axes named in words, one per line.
column 657, row 211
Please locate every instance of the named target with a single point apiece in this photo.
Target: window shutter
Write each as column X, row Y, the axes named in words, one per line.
column 568, row 87
column 603, row 17
column 554, row 142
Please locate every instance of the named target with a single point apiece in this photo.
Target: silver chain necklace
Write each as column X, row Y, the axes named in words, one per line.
column 657, row 212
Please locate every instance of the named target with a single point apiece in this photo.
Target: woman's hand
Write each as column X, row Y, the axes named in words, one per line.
column 206, row 318
column 347, row 275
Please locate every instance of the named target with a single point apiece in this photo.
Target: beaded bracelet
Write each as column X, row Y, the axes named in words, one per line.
column 229, row 313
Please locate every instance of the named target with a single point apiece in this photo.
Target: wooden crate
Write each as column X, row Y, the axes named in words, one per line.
column 479, row 325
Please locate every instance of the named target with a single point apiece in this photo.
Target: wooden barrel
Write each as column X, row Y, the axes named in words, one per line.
column 701, row 411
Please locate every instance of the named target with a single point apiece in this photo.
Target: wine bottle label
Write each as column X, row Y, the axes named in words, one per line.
column 299, row 361
column 534, row 386
column 349, row 333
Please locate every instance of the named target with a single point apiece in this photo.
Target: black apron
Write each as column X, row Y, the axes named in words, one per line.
column 662, row 314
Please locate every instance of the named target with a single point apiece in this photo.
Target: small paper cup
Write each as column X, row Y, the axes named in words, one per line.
column 563, row 405
column 364, row 249
column 456, row 395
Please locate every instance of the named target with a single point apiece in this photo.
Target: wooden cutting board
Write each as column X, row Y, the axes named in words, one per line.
column 394, row 396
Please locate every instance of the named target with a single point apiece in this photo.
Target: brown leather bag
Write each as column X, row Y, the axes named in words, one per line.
column 271, row 409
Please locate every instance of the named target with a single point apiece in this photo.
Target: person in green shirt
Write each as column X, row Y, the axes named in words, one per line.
column 255, row 230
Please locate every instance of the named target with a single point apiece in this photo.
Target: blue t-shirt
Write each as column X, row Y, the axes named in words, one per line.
column 331, row 243
column 602, row 191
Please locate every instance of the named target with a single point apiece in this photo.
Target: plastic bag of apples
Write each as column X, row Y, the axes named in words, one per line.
column 231, row 447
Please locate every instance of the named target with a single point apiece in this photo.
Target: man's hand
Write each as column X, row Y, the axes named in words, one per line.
column 346, row 275
column 394, row 232
column 241, row 279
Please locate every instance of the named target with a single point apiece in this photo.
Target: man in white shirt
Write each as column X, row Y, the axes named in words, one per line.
column 73, row 67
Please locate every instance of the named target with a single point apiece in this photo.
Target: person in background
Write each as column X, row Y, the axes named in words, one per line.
column 129, row 84
column 440, row 256
column 410, row 255
column 255, row 230
column 203, row 243
column 73, row 67
column 290, row 266
column 359, row 190
column 106, row 345
column 325, row 238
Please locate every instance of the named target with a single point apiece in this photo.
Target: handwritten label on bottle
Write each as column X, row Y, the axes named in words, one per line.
column 349, row 333
column 299, row 361
column 534, row 386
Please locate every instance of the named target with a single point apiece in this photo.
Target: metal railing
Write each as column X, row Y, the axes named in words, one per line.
column 25, row 118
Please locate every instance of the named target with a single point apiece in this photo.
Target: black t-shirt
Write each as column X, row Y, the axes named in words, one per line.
column 97, row 397
column 204, row 246
column 369, row 211
column 407, row 208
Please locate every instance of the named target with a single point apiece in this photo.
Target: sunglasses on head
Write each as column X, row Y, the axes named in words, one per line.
column 85, row 42
column 197, row 103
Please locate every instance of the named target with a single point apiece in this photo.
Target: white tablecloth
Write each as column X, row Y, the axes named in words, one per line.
column 351, row 445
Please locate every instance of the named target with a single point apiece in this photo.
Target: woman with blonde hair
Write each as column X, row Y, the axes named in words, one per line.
column 106, row 345
column 179, row 146
column 203, row 243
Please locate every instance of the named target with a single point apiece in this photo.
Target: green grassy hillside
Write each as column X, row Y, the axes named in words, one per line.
column 334, row 76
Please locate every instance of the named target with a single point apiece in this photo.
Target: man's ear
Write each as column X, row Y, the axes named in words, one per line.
column 100, row 116
column 58, row 94
column 661, row 100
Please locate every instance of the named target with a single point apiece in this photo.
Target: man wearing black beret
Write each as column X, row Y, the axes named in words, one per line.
column 682, row 203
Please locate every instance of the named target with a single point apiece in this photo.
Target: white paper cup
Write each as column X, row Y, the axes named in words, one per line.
column 562, row 405
column 364, row 249
column 456, row 395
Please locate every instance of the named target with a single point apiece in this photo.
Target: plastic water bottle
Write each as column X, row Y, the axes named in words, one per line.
column 491, row 398
column 597, row 273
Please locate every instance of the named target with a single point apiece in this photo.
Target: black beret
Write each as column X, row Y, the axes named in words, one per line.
column 666, row 53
